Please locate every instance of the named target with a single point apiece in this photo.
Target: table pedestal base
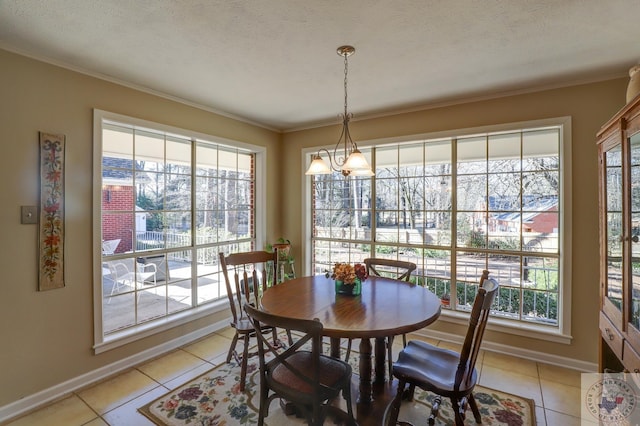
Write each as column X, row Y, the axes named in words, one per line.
column 365, row 389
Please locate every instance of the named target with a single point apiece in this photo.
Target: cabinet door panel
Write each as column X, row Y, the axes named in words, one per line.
column 634, row 175
column 614, row 226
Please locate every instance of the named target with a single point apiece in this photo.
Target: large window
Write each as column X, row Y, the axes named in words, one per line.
column 169, row 202
column 454, row 206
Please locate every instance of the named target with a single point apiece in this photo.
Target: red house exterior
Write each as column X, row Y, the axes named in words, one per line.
column 118, row 226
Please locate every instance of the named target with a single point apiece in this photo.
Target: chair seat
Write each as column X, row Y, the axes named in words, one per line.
column 244, row 325
column 332, row 373
column 431, row 368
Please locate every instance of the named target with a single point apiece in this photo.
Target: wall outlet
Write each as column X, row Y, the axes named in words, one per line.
column 28, row 214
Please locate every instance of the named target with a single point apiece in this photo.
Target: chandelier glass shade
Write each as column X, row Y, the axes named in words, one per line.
column 347, row 158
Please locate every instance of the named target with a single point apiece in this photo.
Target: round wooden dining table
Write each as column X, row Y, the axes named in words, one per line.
column 386, row 307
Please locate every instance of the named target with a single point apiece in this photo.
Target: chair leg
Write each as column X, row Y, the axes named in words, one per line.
column 277, row 342
column 435, row 408
column 390, row 356
column 474, row 409
column 346, row 394
column 264, row 402
column 245, row 361
column 408, row 395
column 346, row 357
column 114, row 288
column 394, row 410
column 458, row 412
column 317, row 416
column 232, row 348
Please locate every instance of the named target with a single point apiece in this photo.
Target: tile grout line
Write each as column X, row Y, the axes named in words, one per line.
column 544, row 410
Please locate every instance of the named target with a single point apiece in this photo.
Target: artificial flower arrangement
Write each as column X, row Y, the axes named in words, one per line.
column 347, row 273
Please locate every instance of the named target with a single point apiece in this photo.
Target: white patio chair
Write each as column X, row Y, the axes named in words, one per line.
column 109, row 247
column 122, row 276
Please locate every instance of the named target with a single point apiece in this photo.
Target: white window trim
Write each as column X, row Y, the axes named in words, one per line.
column 104, row 343
column 561, row 334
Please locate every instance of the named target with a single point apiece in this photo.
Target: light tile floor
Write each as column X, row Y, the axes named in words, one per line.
column 114, row 402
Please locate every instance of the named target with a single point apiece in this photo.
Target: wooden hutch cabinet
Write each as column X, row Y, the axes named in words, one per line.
column 619, row 177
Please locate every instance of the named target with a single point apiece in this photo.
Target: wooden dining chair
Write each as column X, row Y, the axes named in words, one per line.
column 247, row 275
column 300, row 374
column 395, row 269
column 444, row 372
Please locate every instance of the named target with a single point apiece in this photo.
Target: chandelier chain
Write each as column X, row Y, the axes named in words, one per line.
column 346, row 70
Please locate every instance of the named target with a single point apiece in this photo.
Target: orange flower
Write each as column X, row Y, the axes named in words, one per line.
column 347, row 273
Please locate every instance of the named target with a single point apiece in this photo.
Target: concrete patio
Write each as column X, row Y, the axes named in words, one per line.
column 124, row 305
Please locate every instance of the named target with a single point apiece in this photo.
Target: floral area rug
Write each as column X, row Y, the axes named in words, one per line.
column 214, row 399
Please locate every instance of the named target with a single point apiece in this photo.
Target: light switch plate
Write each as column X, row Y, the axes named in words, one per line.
column 28, row 214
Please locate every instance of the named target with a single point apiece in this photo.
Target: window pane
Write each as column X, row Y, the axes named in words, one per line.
column 504, row 232
column 472, row 230
column 206, row 159
column 245, row 166
column 321, row 257
column 387, row 192
column 206, row 193
column 179, row 155
column 505, row 192
column 437, row 193
column 410, row 160
column 177, row 192
column 469, row 266
column 472, row 192
column 119, row 226
column 228, row 162
column 437, row 158
column 541, row 150
column 386, row 162
column 211, row 284
column 437, row 272
column 540, row 307
column 117, row 142
column 149, row 151
column 504, row 153
column 472, row 155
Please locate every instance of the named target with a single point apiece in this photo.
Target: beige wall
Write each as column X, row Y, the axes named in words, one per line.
column 589, row 106
column 46, row 337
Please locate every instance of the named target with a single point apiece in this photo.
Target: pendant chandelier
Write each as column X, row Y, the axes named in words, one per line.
column 348, row 160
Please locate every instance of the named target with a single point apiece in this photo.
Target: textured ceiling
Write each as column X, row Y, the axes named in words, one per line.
column 274, row 62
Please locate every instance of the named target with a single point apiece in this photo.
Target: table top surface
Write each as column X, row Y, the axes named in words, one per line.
column 386, row 307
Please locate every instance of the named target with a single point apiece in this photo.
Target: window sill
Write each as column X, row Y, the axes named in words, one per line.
column 540, row 332
column 141, row 331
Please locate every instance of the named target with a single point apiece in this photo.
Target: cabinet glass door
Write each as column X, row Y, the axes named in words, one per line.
column 634, row 154
column 613, row 176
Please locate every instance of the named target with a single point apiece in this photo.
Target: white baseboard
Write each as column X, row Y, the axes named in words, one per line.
column 574, row 364
column 60, row 390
